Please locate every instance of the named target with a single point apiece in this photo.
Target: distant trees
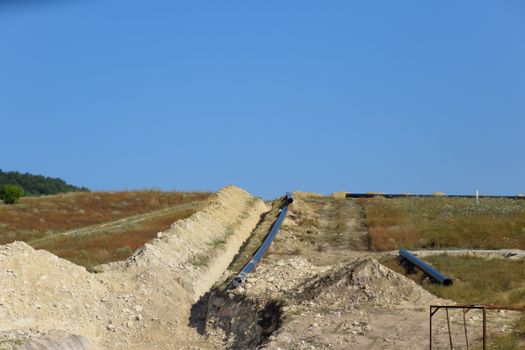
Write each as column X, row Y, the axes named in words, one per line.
column 36, row 185
column 11, row 193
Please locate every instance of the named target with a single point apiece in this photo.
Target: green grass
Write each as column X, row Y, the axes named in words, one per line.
column 217, row 243
column 200, row 260
column 441, row 222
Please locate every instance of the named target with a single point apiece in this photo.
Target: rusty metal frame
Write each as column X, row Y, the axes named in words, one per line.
column 466, row 308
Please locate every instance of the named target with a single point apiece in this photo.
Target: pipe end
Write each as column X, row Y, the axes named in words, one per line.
column 236, row 282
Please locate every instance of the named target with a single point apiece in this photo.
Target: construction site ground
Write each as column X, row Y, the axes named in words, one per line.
column 318, row 287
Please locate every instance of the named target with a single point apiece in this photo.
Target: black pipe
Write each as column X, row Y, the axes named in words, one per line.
column 401, row 195
column 239, row 279
column 426, row 268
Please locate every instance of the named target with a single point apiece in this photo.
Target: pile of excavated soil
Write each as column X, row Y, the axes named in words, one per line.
column 141, row 303
column 364, row 279
column 362, row 282
column 43, row 292
column 343, row 306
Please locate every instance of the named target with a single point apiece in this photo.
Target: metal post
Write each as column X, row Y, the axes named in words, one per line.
column 466, row 309
column 449, row 334
column 430, row 327
column 465, row 326
column 484, row 328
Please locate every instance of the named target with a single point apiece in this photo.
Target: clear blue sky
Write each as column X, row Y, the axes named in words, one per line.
column 269, row 95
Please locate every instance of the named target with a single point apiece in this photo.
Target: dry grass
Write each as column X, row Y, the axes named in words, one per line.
column 444, row 222
column 513, row 341
column 113, row 243
column 476, row 280
column 35, row 217
column 93, row 228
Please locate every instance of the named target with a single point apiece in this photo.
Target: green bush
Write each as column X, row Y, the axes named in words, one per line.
column 11, row 193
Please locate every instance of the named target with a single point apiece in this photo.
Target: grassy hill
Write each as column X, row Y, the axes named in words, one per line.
column 37, row 185
column 90, row 228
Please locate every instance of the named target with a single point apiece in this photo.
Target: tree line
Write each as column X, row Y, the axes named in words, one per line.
column 37, row 185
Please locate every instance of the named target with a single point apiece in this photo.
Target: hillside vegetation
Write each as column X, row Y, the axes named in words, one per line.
column 441, row 222
column 94, row 228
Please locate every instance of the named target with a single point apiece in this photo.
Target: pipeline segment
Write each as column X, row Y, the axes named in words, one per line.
column 239, row 279
column 401, row 195
column 426, row 268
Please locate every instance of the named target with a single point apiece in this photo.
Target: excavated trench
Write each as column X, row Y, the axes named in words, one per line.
column 246, row 323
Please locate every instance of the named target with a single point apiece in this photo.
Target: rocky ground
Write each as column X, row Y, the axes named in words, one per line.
column 318, row 288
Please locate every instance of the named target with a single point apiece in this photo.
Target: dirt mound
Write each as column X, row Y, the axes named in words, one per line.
column 360, row 281
column 364, row 281
column 292, row 301
column 204, row 244
column 141, row 303
column 37, row 286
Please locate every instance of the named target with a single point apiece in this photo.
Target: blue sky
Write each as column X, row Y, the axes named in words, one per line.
column 392, row 96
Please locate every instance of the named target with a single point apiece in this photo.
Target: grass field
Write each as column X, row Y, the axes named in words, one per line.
column 442, row 222
column 478, row 281
column 94, row 228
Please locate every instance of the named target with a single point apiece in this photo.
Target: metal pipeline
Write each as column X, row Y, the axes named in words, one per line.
column 288, row 198
column 426, row 268
column 239, row 279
